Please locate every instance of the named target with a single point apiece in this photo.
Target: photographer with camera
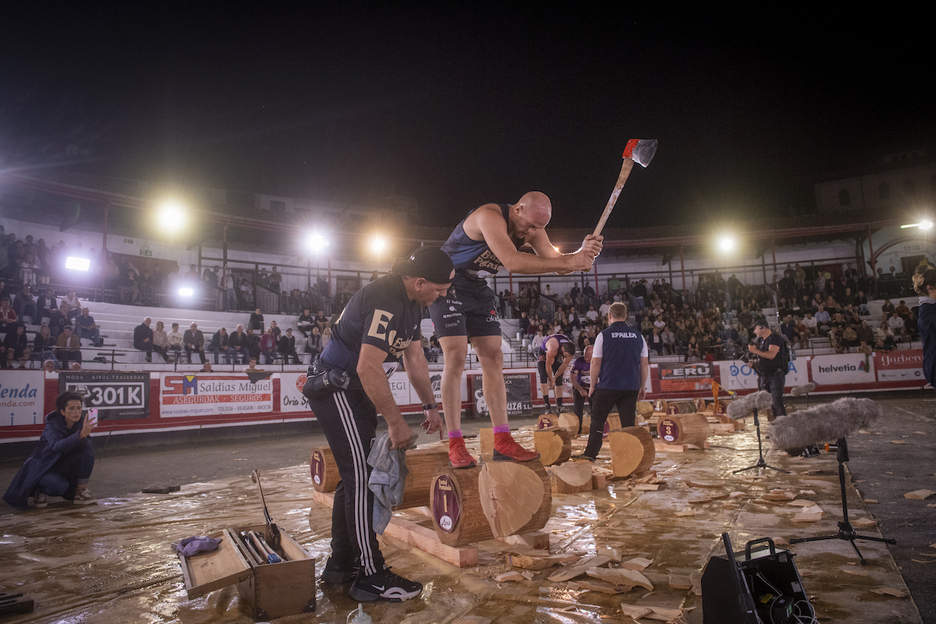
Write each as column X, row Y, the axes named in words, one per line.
column 771, row 364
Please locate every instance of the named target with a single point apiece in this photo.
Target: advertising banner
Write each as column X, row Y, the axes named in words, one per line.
column 291, row 397
column 736, row 375
column 846, row 368
column 21, row 397
column 519, row 394
column 116, row 395
column 900, row 366
column 204, row 394
column 686, row 377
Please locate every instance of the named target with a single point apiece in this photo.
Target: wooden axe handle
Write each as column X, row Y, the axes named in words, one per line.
column 622, row 178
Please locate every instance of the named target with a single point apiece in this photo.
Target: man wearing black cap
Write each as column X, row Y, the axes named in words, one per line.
column 486, row 240
column 378, row 327
column 770, row 366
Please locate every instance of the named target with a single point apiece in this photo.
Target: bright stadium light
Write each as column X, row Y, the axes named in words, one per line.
column 726, row 243
column 186, row 291
column 171, row 217
column 317, row 242
column 378, row 244
column 77, row 264
column 924, row 225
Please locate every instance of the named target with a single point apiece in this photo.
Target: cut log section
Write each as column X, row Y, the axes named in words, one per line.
column 547, row 421
column 486, row 438
column 684, row 429
column 324, row 471
column 510, row 489
column 681, row 407
column 422, row 465
column 632, row 451
column 571, row 477
column 569, row 422
column 554, row 445
column 645, row 409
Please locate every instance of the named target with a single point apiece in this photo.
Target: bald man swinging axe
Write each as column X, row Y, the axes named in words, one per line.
column 490, row 238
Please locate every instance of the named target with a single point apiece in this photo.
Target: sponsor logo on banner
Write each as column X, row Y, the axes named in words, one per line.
column 849, row 368
column 519, row 394
column 21, row 397
column 736, row 375
column 291, row 397
column 116, row 395
column 204, row 394
column 900, row 365
column 686, row 377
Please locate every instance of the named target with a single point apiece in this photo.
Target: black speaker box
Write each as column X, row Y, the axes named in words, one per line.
column 758, row 585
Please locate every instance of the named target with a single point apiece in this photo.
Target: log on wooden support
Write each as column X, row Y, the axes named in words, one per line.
column 547, row 421
column 644, row 409
column 554, row 445
column 571, row 477
column 684, row 429
column 632, row 451
column 325, row 477
column 422, row 465
column 569, row 421
column 680, row 407
column 418, row 536
column 510, row 491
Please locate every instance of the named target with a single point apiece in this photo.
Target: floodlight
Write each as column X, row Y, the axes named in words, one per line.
column 186, row 291
column 378, row 244
column 317, row 242
column 172, row 217
column 726, row 243
column 77, row 264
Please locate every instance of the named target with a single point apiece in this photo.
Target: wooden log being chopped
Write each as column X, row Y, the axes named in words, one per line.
column 571, row 477
column 554, row 445
column 632, row 451
column 506, row 493
column 512, row 494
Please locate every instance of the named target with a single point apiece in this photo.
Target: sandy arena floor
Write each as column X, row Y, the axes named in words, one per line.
column 112, row 562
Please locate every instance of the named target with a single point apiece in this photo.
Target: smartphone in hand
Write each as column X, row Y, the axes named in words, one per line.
column 93, row 416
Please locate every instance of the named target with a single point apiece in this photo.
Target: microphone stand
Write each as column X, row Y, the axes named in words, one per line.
column 760, row 451
column 845, row 532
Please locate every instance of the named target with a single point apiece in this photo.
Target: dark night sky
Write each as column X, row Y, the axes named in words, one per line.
column 460, row 106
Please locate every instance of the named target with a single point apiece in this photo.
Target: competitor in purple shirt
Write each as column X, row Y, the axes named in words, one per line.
column 581, row 380
column 555, row 355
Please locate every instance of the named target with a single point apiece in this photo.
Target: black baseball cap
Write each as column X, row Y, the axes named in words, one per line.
column 429, row 263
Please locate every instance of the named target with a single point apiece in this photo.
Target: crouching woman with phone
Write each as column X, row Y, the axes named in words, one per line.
column 62, row 462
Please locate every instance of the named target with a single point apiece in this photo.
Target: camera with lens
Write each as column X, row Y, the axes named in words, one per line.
column 321, row 381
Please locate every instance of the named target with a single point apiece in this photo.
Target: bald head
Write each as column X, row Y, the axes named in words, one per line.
column 531, row 213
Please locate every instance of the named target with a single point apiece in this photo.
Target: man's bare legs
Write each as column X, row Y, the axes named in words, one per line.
column 488, row 348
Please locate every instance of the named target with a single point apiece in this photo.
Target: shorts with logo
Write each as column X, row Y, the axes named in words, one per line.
column 467, row 309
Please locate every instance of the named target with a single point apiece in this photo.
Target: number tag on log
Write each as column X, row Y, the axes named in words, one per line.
column 668, row 430
column 318, row 468
column 445, row 506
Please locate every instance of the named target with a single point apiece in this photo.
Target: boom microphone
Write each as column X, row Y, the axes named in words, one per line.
column 823, row 423
column 801, row 390
column 748, row 404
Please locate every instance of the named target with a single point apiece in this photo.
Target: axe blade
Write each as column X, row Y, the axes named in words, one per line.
column 641, row 151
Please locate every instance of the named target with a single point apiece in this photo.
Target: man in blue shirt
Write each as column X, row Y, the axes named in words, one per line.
column 620, row 365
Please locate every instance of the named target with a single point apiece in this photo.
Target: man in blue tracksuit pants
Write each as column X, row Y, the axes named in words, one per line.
column 620, row 366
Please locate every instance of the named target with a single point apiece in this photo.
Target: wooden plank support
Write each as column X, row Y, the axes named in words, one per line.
column 418, row 536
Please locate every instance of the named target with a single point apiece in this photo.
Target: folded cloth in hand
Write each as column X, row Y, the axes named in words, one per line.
column 388, row 478
column 194, row 545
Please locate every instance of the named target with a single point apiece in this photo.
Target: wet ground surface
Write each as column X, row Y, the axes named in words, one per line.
column 111, row 562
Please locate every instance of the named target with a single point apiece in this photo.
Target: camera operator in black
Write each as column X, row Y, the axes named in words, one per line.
column 378, row 327
column 770, row 367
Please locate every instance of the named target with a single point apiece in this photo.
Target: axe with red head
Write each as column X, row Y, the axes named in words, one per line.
column 639, row 151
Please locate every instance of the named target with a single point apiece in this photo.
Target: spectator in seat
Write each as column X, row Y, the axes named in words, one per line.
column 253, row 344
column 68, row 347
column 8, row 317
column 277, row 332
column 238, row 342
column 86, row 328
column 72, row 304
column 287, row 347
column 896, row 323
column 25, row 305
column 194, row 341
column 16, row 347
column 313, row 345
column 220, row 345
column 305, row 323
column 143, row 338
column 865, row 333
column 44, row 345
column 175, row 340
column 161, row 341
column 256, row 321
column 268, row 346
column 46, row 305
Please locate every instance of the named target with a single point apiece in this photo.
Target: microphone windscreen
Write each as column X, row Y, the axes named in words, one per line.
column 748, row 404
column 823, row 423
column 801, row 390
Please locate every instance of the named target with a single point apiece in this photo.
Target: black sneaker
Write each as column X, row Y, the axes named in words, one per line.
column 334, row 575
column 384, row 585
column 584, row 457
